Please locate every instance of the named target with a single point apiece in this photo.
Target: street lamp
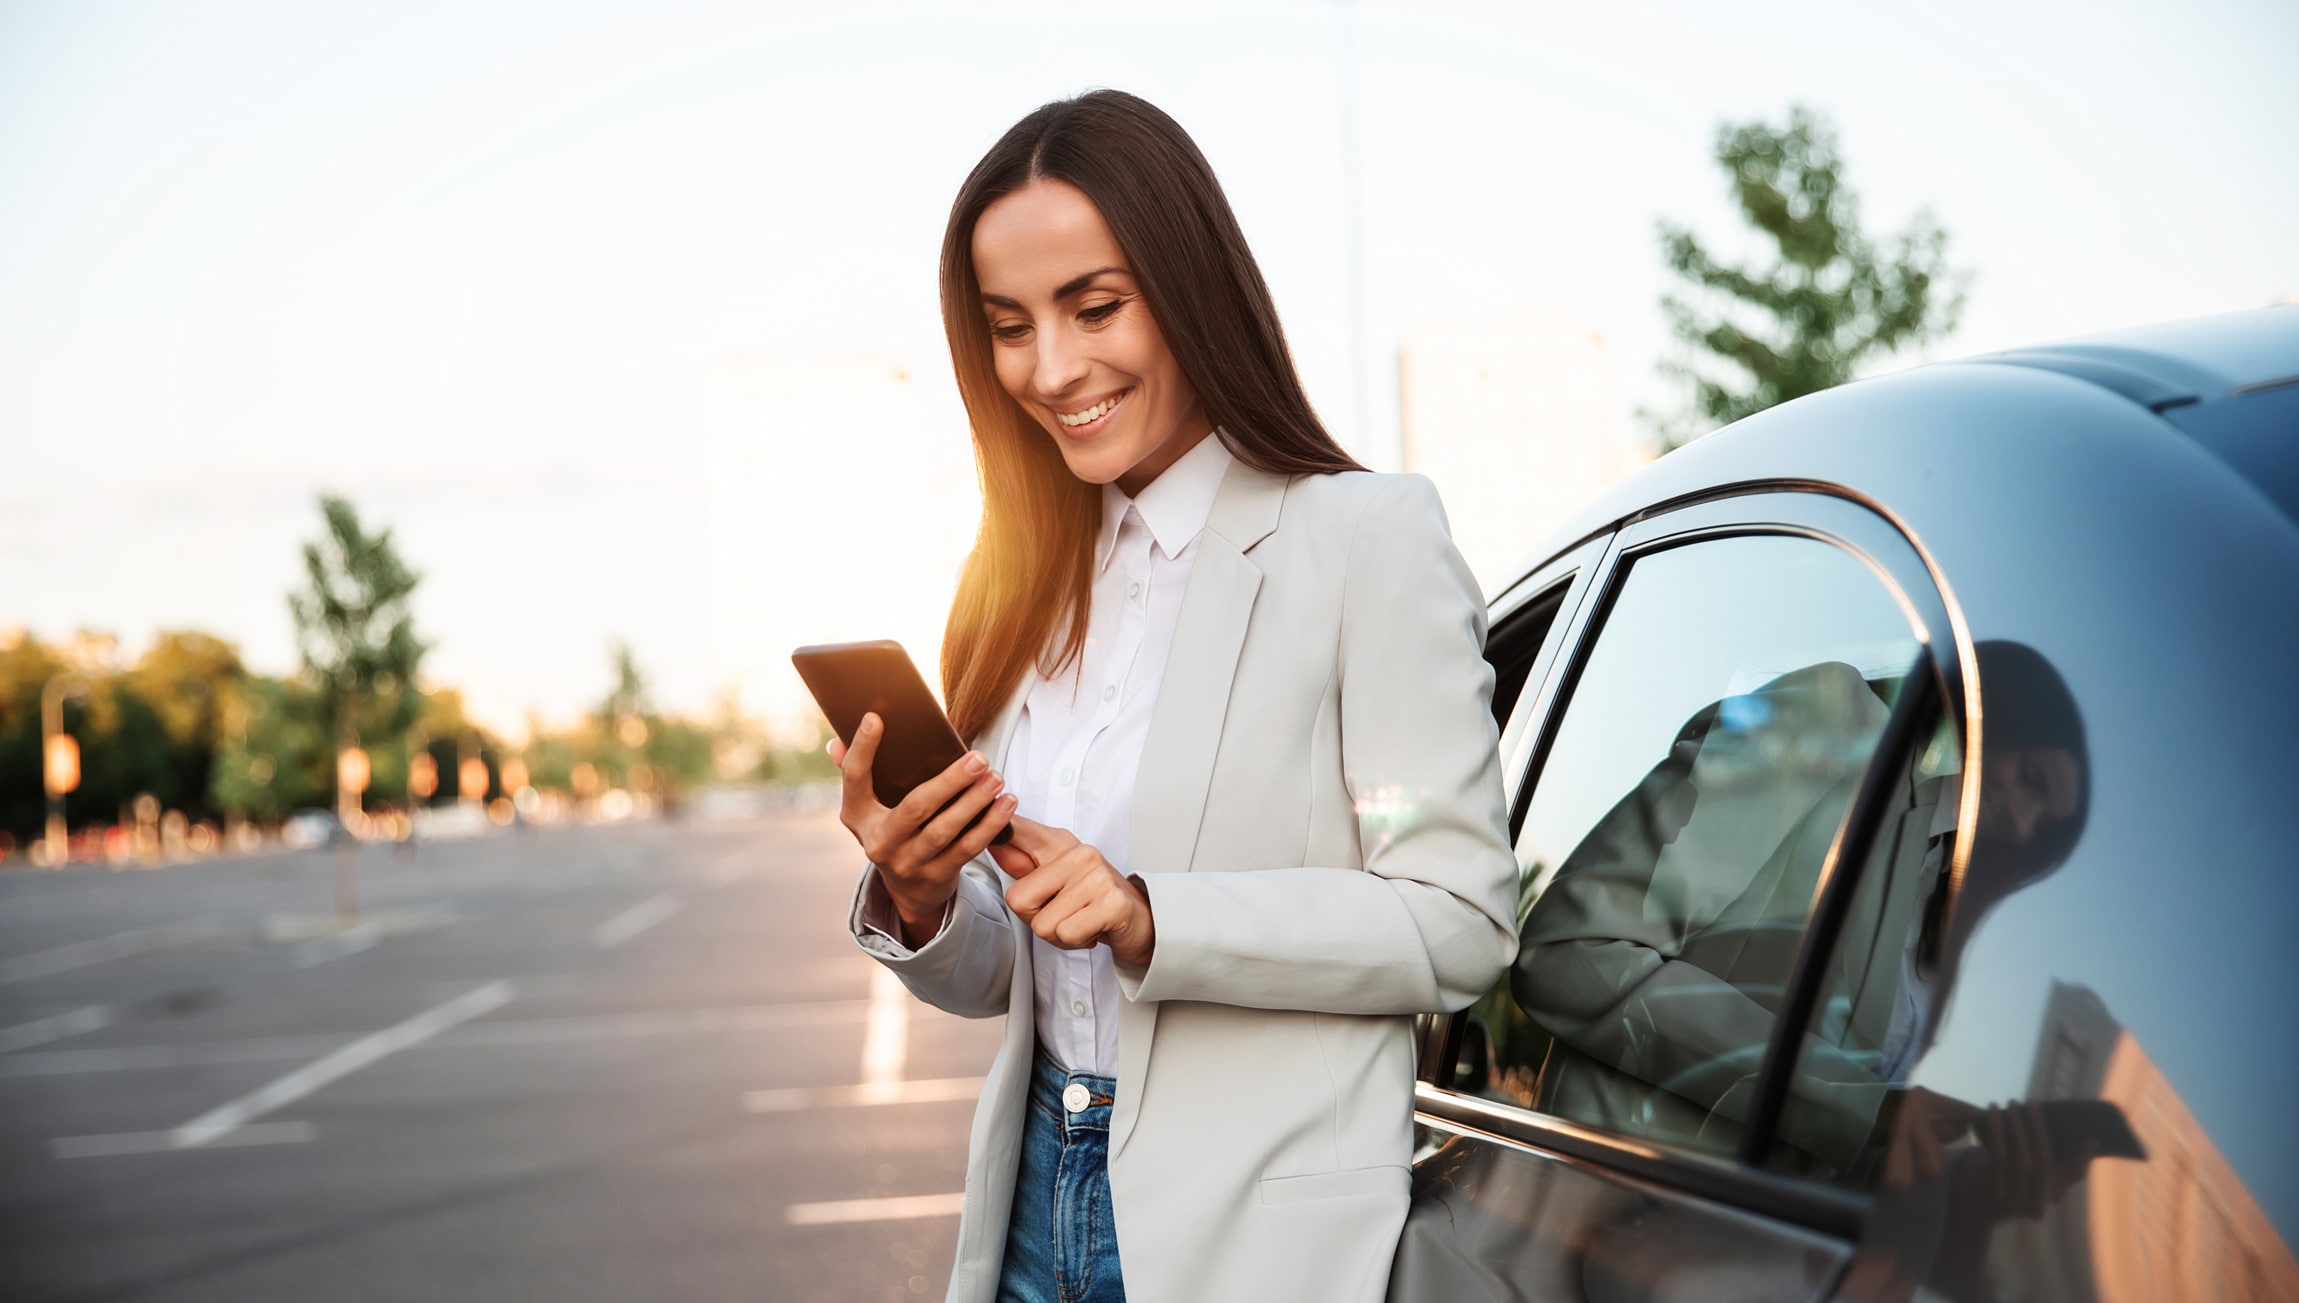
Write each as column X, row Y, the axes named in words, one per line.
column 59, row 758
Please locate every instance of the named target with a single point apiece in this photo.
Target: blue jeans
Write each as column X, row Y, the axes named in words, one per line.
column 1061, row 1242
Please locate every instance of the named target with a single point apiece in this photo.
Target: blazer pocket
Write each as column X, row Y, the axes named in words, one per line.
column 1385, row 1179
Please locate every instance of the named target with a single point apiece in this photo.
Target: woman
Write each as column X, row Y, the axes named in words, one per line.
column 1237, row 685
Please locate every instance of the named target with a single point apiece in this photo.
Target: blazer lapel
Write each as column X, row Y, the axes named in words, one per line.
column 1185, row 727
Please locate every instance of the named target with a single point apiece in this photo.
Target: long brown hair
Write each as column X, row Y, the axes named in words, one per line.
column 1031, row 562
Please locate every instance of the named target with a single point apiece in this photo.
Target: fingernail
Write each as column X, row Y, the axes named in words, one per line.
column 1009, row 801
column 869, row 724
column 975, row 764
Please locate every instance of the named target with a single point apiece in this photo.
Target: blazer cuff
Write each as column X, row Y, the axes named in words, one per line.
column 877, row 925
column 1143, row 982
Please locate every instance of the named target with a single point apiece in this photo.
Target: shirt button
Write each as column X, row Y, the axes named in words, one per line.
column 1075, row 1098
column 1110, row 693
column 1134, row 591
column 1078, row 1007
column 1067, row 775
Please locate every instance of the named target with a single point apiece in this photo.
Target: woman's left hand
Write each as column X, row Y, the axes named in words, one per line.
column 1072, row 897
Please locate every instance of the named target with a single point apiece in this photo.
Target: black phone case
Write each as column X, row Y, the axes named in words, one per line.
column 851, row 679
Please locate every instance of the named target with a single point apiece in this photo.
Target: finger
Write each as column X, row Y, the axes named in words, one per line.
column 1015, row 863
column 1059, row 921
column 1029, row 894
column 854, row 767
column 912, row 812
column 1041, row 842
column 943, row 830
column 837, row 750
column 1101, row 914
column 977, row 839
column 1078, row 913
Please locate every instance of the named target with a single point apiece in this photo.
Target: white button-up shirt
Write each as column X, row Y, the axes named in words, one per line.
column 1077, row 748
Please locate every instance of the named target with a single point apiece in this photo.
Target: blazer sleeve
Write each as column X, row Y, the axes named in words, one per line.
column 968, row 968
column 1429, row 923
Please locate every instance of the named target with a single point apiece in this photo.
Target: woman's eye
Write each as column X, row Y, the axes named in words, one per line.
column 1100, row 312
column 1008, row 334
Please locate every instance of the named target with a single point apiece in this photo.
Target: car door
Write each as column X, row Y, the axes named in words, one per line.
column 1730, row 702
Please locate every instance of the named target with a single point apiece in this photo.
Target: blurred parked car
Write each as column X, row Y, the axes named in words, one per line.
column 1901, row 781
column 306, row 829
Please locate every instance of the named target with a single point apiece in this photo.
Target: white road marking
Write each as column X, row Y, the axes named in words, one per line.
column 43, row 1030
column 531, row 1031
column 638, row 918
column 886, row 1036
column 162, row 1142
column 804, row 1098
column 219, row 1122
column 899, row 1208
column 103, row 950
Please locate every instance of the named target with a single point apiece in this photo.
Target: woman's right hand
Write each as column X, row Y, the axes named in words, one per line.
column 918, row 851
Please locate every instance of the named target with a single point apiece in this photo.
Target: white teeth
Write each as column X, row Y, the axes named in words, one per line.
column 1091, row 414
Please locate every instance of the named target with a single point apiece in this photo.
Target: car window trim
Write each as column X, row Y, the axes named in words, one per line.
column 1829, row 1210
column 1578, row 569
column 1825, row 513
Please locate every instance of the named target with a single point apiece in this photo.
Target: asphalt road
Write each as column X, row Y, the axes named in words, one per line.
column 637, row 1062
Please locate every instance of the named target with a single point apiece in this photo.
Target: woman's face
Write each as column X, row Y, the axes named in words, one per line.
column 1073, row 338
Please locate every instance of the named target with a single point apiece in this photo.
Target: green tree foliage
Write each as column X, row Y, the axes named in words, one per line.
column 1827, row 298
column 276, row 757
column 356, row 631
column 191, row 682
column 25, row 668
column 629, row 696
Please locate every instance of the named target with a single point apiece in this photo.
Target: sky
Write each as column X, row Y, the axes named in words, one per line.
column 508, row 275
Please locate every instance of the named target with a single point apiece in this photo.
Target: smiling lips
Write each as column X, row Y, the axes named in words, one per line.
column 1077, row 422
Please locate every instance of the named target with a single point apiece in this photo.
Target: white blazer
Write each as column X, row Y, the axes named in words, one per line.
column 1319, row 821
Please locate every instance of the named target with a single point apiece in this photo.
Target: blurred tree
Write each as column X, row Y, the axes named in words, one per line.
column 191, row 682
column 26, row 665
column 1830, row 298
column 629, row 696
column 124, row 753
column 356, row 632
column 680, row 752
column 277, row 757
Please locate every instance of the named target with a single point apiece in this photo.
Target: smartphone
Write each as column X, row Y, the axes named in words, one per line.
column 2071, row 1124
column 851, row 679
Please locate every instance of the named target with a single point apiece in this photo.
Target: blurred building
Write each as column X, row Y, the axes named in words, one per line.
column 1513, row 420
column 842, row 502
column 2199, row 1232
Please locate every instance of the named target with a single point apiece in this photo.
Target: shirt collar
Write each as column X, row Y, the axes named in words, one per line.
column 1175, row 505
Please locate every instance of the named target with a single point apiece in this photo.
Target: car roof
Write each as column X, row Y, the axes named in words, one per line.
column 2230, row 383
column 2197, row 360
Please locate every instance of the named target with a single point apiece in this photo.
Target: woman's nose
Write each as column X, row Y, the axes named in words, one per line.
column 1061, row 364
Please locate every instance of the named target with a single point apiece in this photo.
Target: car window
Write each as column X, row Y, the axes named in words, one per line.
column 1706, row 756
column 1873, row 1004
column 1516, row 643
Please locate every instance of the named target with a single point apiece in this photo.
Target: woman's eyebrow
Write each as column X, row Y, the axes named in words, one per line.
column 1066, row 289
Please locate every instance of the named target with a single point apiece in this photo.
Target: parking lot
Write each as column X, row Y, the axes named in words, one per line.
column 631, row 1062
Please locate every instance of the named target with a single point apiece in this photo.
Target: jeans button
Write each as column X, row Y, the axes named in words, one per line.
column 1075, row 1098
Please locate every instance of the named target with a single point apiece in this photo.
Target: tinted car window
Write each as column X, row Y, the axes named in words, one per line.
column 2067, row 1121
column 1704, row 761
column 1874, row 1003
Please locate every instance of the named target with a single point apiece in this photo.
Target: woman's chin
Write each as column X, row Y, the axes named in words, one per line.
column 1093, row 464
